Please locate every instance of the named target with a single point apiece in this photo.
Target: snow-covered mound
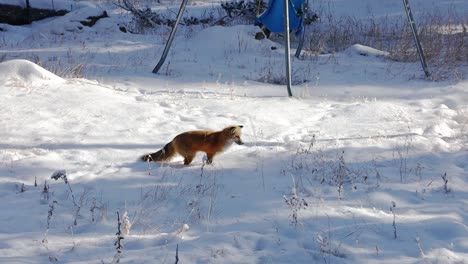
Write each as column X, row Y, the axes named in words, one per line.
column 71, row 22
column 25, row 73
column 365, row 51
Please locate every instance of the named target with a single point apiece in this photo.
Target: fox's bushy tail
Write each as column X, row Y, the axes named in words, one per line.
column 163, row 154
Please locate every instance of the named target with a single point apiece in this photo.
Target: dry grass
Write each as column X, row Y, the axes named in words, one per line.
column 443, row 35
column 62, row 67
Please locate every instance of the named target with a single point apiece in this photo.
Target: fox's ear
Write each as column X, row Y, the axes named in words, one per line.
column 235, row 129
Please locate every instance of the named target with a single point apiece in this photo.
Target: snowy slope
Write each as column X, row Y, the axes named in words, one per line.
column 367, row 163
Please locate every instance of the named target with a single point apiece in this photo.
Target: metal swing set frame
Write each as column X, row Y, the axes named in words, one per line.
column 269, row 18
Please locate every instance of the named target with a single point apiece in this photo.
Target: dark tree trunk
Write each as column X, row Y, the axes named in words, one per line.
column 28, row 11
column 25, row 14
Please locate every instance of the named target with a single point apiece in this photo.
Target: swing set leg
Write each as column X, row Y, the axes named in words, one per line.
column 300, row 44
column 171, row 37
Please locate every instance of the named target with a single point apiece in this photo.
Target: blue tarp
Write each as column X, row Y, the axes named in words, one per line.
column 272, row 18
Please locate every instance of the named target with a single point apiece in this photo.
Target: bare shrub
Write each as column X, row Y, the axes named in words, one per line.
column 312, row 164
column 243, row 11
column 327, row 246
column 65, row 67
column 334, row 34
column 295, row 204
column 118, row 241
column 445, row 179
column 392, row 209
column 66, row 71
column 145, row 19
column 153, row 200
column 203, row 197
column 272, row 72
column 442, row 33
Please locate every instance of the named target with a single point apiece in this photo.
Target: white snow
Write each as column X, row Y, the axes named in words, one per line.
column 359, row 154
column 23, row 73
column 365, row 51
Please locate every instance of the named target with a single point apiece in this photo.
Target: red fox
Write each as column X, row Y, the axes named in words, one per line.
column 189, row 143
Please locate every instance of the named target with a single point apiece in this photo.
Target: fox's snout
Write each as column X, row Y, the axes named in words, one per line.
column 239, row 141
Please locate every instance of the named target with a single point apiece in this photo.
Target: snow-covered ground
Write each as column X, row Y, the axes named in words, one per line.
column 367, row 163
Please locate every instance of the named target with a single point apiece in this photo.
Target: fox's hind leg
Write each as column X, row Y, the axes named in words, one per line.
column 188, row 157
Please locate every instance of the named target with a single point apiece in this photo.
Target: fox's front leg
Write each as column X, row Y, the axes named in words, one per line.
column 210, row 157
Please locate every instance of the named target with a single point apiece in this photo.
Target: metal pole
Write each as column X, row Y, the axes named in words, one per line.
column 422, row 58
column 171, row 37
column 287, row 45
column 301, row 43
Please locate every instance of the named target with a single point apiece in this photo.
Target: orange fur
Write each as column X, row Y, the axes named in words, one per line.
column 189, row 143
